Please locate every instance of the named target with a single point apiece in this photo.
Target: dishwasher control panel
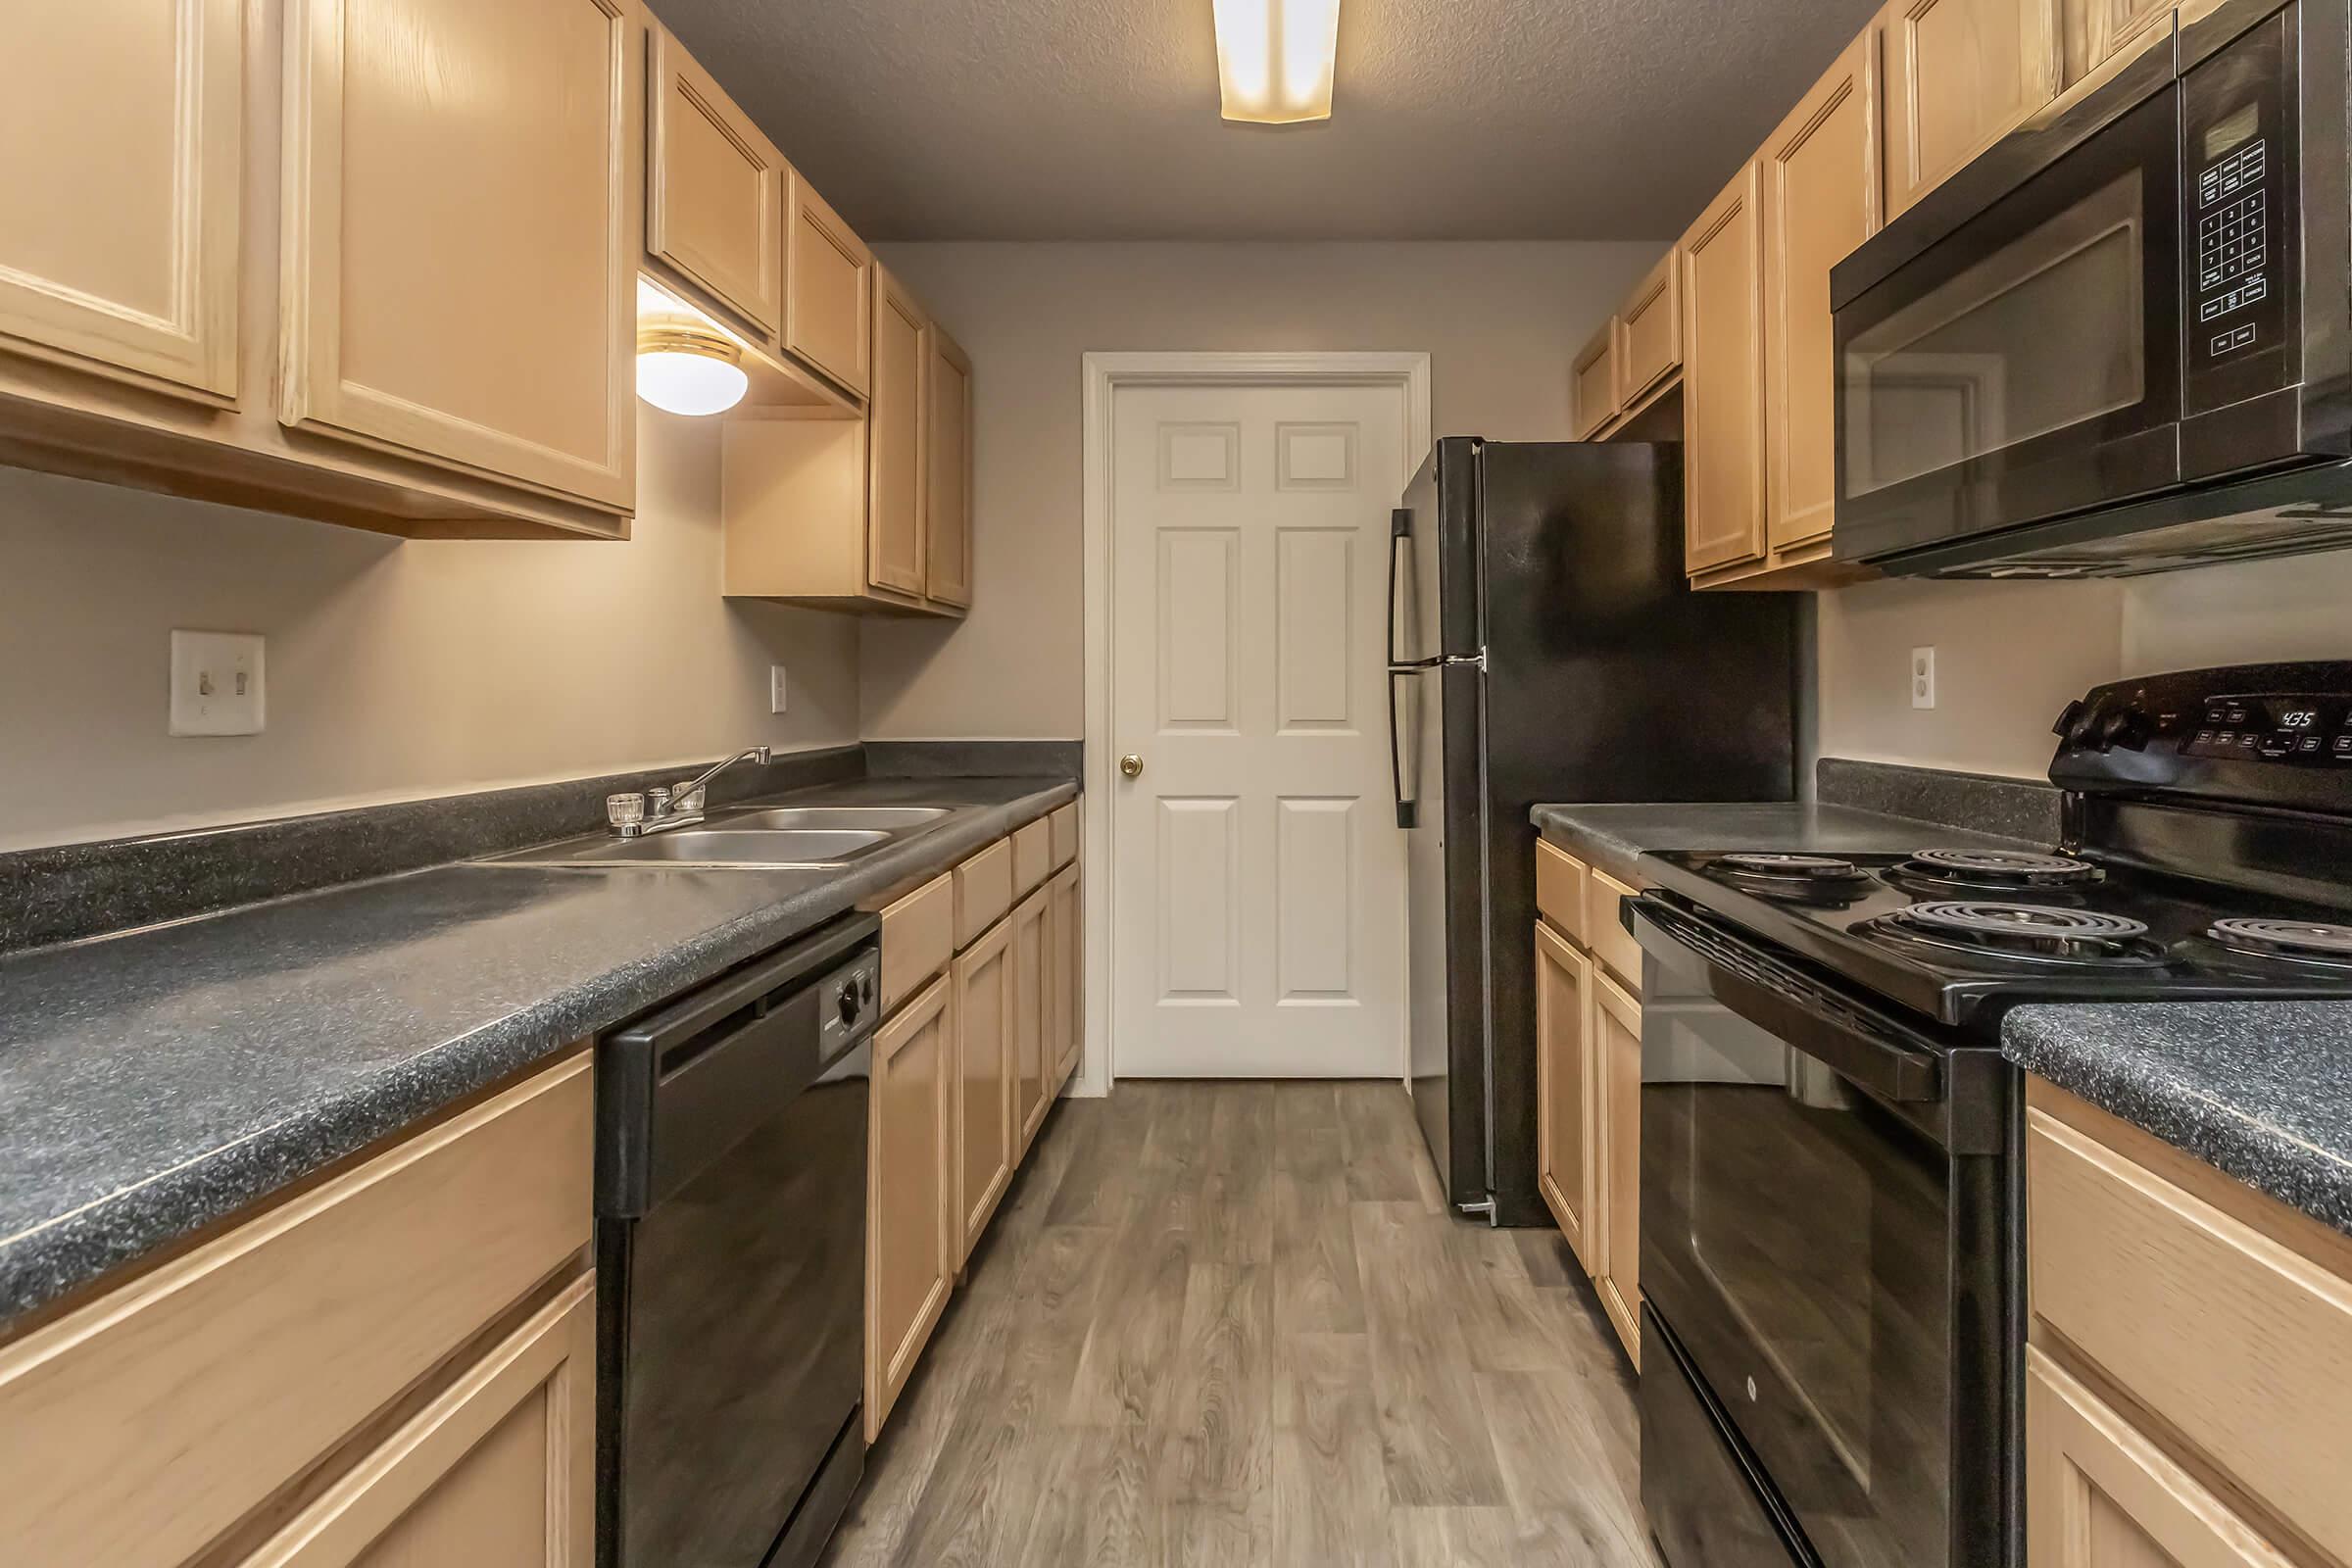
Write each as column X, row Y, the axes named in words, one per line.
column 849, row 1001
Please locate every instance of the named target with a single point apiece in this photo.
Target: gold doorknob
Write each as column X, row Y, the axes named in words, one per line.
column 1132, row 766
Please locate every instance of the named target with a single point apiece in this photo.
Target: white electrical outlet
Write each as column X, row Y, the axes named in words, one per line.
column 217, row 683
column 776, row 688
column 1923, row 677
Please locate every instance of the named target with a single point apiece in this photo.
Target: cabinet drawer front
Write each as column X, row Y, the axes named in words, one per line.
column 135, row 1429
column 983, row 891
column 1651, row 345
column 714, row 190
column 918, row 938
column 1560, row 881
column 1032, row 857
column 1605, row 934
column 1064, row 822
column 2241, row 1344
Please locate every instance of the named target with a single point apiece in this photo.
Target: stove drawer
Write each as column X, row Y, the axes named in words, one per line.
column 2227, row 1315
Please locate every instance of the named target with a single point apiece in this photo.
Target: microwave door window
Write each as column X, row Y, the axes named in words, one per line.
column 2045, row 332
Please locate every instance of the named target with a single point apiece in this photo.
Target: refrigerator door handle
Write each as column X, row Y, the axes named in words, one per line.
column 1408, row 803
column 1400, row 538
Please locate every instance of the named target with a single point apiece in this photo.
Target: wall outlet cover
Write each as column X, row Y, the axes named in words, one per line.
column 776, row 688
column 1923, row 677
column 217, row 683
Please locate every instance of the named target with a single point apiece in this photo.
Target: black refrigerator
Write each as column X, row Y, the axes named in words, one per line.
column 1544, row 646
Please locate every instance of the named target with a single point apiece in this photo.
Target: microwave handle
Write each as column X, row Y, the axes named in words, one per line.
column 1874, row 1051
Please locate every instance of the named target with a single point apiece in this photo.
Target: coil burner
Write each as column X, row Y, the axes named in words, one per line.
column 2004, row 870
column 2033, row 933
column 2297, row 941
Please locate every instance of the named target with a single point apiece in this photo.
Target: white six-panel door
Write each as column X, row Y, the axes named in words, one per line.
column 1258, row 875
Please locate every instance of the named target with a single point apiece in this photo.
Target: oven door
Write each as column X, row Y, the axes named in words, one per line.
column 2028, row 362
column 1818, row 1248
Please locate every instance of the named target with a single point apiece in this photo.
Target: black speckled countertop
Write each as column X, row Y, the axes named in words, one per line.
column 1613, row 837
column 157, row 1081
column 2259, row 1090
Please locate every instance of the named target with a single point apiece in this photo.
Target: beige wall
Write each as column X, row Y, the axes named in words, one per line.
column 395, row 670
column 1499, row 320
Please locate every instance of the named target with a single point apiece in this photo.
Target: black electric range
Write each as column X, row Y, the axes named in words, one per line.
column 1830, row 1198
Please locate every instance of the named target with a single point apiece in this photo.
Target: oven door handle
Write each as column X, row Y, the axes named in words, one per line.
column 1872, row 1049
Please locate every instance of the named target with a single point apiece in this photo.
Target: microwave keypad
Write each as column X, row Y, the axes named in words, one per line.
column 2238, row 258
column 2233, row 245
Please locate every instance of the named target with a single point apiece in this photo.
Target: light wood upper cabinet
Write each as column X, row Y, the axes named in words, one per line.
column 1032, row 976
column 2095, row 31
column 716, row 188
column 119, row 171
column 1960, row 75
column 1592, row 382
column 911, row 1193
column 896, row 427
column 830, row 293
column 948, row 471
column 1723, row 378
column 983, row 1082
column 1649, row 334
column 459, row 280
column 1565, row 1121
column 1821, row 200
column 1616, row 1046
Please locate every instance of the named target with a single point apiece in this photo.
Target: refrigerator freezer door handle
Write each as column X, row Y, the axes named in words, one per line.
column 1400, row 535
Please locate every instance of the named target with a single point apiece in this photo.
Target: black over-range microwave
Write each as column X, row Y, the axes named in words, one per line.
column 2117, row 342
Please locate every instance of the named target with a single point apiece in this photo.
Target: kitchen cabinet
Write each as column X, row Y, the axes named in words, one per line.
column 910, row 1192
column 829, row 290
column 461, row 286
column 896, row 428
column 1031, row 977
column 983, row 1082
column 325, row 1359
column 1960, row 75
column 2094, row 32
column 1723, row 378
column 143, row 109
column 2190, row 1363
column 1066, row 982
column 1565, row 1123
column 1592, row 382
column 946, row 470
column 1616, row 1046
column 1649, row 332
column 1820, row 199
column 318, row 284
column 716, row 190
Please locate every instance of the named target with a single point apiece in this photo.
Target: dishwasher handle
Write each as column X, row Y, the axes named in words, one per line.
column 682, row 1087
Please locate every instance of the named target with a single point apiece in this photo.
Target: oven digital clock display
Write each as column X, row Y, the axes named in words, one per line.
column 2274, row 729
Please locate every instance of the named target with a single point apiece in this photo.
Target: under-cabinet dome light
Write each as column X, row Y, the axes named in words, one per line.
column 686, row 368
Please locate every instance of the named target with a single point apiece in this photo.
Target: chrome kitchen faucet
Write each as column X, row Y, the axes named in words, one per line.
column 662, row 808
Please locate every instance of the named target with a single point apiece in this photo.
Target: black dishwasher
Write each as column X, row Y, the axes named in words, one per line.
column 730, row 1236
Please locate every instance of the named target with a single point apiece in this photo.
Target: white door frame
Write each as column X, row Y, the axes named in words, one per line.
column 1105, row 374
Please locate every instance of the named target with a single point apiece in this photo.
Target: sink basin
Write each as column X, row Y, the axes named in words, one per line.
column 893, row 819
column 755, row 848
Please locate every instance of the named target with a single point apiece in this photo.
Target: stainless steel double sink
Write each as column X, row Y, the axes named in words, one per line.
column 774, row 838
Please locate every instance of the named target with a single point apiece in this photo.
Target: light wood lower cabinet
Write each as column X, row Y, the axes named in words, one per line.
column 2189, row 1377
column 1566, row 1126
column 1616, row 1046
column 187, row 1407
column 984, row 1080
column 1065, row 988
column 909, row 1193
column 1031, row 979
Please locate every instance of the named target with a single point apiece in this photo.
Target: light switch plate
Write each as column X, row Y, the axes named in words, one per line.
column 217, row 683
column 776, row 688
column 1923, row 677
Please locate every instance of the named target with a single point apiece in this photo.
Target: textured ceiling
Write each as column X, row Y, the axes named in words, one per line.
column 1098, row 119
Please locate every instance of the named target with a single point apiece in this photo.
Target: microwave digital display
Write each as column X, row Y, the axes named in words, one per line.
column 2232, row 131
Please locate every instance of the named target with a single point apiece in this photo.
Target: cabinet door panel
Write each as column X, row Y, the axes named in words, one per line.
column 714, row 189
column 1067, row 980
column 1616, row 1044
column 1723, row 378
column 2096, row 31
column 1564, row 1097
column 1032, row 975
column 1650, row 342
column 1960, row 75
column 1592, row 382
column 984, row 1076
column 499, row 1468
column 122, row 128
column 909, row 1193
column 460, row 279
column 947, row 472
column 1821, row 200
column 895, row 431
column 829, row 290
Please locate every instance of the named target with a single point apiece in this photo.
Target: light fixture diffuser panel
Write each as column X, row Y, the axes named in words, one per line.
column 1275, row 59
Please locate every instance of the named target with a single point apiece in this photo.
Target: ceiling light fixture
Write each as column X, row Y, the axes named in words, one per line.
column 685, row 363
column 1275, row 59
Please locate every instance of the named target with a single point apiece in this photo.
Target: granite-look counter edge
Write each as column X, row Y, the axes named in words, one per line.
column 159, row 1081
column 2261, row 1090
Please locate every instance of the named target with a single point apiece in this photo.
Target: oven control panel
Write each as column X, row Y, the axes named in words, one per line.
column 2273, row 734
column 2315, row 730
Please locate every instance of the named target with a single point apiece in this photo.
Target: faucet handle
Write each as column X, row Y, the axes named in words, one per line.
column 686, row 800
column 625, row 810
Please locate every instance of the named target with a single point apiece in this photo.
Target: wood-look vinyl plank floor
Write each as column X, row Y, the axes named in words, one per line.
column 1228, row 1324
